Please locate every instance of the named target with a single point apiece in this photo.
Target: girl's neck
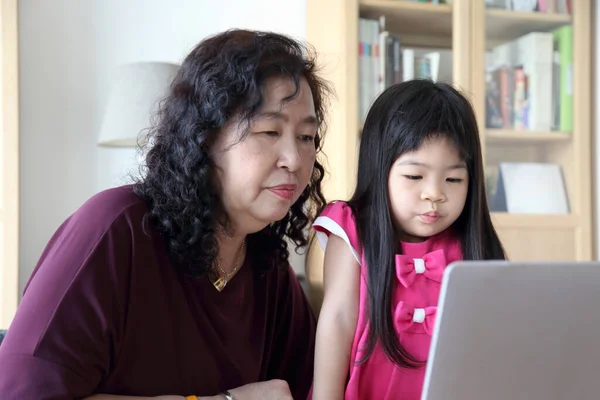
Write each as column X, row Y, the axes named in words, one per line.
column 412, row 239
column 406, row 238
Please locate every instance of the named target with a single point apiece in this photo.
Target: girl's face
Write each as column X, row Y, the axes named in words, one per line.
column 427, row 189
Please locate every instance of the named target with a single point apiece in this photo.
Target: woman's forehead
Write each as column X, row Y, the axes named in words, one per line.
column 281, row 93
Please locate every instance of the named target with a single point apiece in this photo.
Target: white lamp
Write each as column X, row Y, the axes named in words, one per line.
column 135, row 93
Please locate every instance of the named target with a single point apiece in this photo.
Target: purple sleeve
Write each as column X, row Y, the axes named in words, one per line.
column 293, row 354
column 68, row 326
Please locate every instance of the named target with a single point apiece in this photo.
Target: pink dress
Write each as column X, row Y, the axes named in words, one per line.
column 416, row 290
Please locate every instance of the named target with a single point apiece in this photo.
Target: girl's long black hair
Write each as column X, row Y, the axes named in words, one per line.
column 400, row 120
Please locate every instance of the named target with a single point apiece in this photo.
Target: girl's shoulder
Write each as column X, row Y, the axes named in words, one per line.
column 337, row 218
column 339, row 211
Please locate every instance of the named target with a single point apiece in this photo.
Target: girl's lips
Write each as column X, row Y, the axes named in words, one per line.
column 430, row 217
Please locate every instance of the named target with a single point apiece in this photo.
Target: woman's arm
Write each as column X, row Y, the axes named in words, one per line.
column 291, row 350
column 337, row 320
column 274, row 389
column 112, row 397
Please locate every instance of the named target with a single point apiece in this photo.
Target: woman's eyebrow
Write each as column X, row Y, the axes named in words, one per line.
column 278, row 115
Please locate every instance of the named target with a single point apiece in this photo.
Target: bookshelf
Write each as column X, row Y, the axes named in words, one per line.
column 508, row 24
column 471, row 31
column 509, row 136
column 9, row 162
column 416, row 18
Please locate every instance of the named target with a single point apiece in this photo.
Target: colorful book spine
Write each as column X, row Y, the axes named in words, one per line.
column 563, row 38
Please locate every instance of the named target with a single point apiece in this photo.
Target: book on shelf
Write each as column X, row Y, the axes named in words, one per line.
column 563, row 43
column 529, row 188
column 385, row 61
column 529, row 82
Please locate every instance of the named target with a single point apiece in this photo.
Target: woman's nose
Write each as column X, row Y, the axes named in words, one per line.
column 289, row 156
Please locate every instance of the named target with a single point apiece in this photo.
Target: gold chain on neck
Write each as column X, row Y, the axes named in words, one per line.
column 220, row 281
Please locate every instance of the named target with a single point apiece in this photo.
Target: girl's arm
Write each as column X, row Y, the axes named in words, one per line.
column 337, row 320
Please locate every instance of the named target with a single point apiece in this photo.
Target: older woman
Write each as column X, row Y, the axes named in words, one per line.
column 178, row 285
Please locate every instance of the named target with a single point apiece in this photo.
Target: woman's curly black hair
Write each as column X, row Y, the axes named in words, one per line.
column 223, row 77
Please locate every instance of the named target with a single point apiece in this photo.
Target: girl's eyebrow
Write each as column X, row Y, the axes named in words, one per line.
column 461, row 165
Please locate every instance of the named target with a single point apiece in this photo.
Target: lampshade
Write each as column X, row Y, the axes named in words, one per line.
column 134, row 96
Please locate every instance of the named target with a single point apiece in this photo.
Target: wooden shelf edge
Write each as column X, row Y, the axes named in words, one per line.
column 535, row 221
column 516, row 136
column 407, row 6
column 420, row 21
column 528, row 16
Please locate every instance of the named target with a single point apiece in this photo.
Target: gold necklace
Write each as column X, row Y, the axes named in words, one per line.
column 220, row 279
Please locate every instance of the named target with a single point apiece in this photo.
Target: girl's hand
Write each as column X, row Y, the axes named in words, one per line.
column 269, row 390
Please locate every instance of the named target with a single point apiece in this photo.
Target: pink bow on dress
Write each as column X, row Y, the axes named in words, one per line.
column 431, row 266
column 407, row 316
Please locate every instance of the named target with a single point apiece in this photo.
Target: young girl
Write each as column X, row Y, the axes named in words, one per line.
column 419, row 204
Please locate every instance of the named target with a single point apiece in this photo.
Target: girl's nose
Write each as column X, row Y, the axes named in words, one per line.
column 433, row 193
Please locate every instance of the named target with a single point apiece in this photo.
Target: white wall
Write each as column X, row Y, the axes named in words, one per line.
column 68, row 49
column 596, row 124
column 58, row 74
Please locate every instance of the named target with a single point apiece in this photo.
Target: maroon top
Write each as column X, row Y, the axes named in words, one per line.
column 105, row 312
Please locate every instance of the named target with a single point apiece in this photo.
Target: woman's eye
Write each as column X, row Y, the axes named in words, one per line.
column 307, row 138
column 413, row 177
column 271, row 133
column 454, row 180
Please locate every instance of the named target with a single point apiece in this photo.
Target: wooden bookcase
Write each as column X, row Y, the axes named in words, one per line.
column 469, row 29
column 9, row 162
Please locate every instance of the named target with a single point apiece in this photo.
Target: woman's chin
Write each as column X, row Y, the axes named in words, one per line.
column 276, row 214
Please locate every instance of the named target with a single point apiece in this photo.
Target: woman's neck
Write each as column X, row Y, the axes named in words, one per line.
column 231, row 251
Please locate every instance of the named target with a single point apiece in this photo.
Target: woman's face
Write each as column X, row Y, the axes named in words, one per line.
column 262, row 175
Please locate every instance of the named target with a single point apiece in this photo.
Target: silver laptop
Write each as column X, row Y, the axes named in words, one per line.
column 512, row 331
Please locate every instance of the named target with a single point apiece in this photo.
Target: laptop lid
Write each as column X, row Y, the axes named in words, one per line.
column 510, row 330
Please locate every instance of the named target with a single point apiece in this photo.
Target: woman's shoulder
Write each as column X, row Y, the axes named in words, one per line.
column 106, row 209
column 113, row 202
column 112, row 218
column 97, row 239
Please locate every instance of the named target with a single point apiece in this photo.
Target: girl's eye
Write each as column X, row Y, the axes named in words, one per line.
column 454, row 180
column 413, row 177
column 271, row 133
